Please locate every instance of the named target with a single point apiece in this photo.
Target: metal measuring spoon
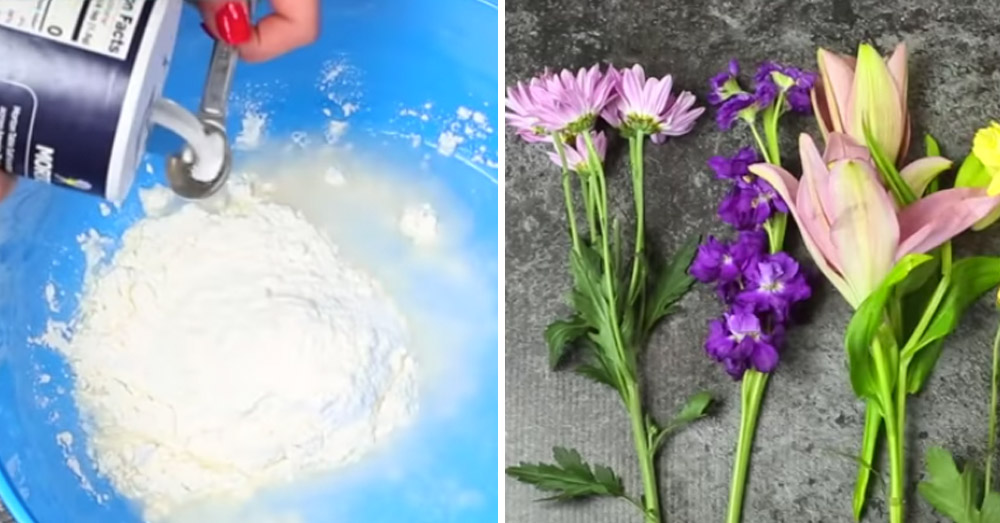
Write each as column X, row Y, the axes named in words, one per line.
column 212, row 114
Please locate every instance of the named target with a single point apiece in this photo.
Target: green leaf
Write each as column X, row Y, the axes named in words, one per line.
column 990, row 512
column 922, row 364
column 692, row 411
column 672, row 283
column 970, row 279
column 869, row 441
column 931, row 146
column 588, row 297
column 570, row 477
column 972, row 173
column 560, row 336
column 867, row 321
column 890, row 175
column 598, row 368
column 953, row 494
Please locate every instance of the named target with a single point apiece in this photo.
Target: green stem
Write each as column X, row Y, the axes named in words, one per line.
column 635, row 151
column 991, row 445
column 913, row 344
column 588, row 204
column 646, row 455
column 568, row 195
column 894, row 434
column 760, row 143
column 776, row 226
column 631, row 393
column 754, row 384
column 899, row 471
column 771, row 129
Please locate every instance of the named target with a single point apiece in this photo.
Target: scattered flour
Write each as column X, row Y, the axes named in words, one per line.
column 50, row 297
column 334, row 177
column 419, row 223
column 335, row 130
column 252, row 129
column 65, row 441
column 105, row 209
column 448, row 142
column 222, row 351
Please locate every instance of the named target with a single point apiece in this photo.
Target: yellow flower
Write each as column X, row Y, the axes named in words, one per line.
column 986, row 147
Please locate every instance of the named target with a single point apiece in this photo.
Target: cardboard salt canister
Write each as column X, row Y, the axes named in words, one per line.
column 78, row 79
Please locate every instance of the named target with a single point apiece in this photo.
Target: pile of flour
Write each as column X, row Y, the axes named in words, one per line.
column 228, row 348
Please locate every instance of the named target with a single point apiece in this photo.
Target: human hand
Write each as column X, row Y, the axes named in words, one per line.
column 6, row 185
column 294, row 24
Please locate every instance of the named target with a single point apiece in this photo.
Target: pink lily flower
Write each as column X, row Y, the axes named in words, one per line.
column 850, row 223
column 865, row 91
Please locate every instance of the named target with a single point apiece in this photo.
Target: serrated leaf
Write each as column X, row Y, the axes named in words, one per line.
column 672, row 283
column 598, row 368
column 867, row 321
column 693, row 410
column 560, row 336
column 588, row 296
column 952, row 493
column 570, row 477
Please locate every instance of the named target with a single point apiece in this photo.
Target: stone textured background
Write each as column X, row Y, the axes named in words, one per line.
column 810, row 417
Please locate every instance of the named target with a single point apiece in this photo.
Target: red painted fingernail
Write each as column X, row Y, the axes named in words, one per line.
column 233, row 22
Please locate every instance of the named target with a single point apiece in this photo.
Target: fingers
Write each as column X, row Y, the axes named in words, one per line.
column 6, row 185
column 294, row 23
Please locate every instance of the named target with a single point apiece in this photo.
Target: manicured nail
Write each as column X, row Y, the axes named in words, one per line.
column 233, row 22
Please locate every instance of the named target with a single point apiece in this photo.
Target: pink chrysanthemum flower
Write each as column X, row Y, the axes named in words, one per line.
column 563, row 103
column 525, row 103
column 576, row 156
column 646, row 105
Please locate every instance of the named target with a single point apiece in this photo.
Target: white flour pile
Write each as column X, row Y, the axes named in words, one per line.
column 221, row 351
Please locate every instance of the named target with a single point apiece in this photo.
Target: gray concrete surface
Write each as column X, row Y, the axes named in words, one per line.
column 810, row 415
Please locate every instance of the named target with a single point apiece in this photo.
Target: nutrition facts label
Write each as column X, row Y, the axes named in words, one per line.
column 102, row 26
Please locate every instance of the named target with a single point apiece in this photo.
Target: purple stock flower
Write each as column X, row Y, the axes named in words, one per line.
column 773, row 78
column 576, row 154
column 725, row 84
column 737, row 167
column 646, row 105
column 725, row 264
column 738, row 341
column 734, row 108
column 751, row 201
column 773, row 284
column 745, row 208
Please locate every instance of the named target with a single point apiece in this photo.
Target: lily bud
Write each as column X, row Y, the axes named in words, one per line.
column 865, row 91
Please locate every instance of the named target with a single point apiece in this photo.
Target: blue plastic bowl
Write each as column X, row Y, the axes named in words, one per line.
column 407, row 53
